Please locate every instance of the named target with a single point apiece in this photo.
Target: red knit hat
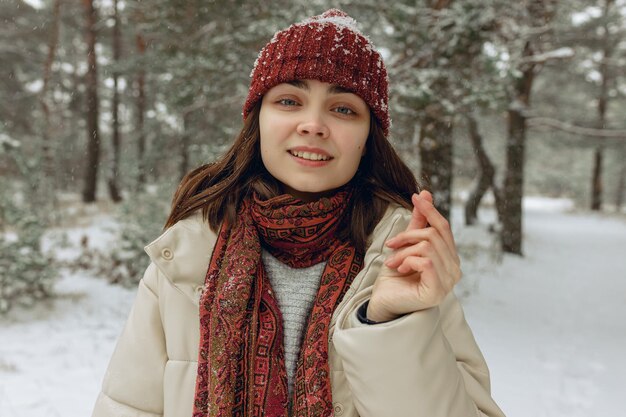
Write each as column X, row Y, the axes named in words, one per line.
column 327, row 48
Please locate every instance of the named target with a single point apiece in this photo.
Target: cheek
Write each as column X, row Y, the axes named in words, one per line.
column 352, row 163
column 362, row 133
column 359, row 149
column 264, row 146
column 266, row 153
column 265, row 134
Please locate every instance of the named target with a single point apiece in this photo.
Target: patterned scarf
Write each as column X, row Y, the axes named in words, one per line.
column 241, row 364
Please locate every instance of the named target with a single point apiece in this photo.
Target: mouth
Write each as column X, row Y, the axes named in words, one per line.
column 310, row 156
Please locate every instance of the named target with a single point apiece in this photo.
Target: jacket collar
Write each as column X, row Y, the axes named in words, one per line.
column 183, row 252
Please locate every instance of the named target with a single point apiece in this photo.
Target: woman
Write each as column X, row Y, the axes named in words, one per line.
column 300, row 274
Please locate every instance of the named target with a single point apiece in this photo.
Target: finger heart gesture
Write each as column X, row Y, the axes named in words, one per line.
column 423, row 268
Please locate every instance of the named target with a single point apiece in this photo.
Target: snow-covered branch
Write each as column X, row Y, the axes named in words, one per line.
column 546, row 122
column 561, row 53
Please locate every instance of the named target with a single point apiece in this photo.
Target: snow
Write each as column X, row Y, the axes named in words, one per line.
column 37, row 4
column 550, row 324
column 52, row 359
column 8, row 142
column 560, row 53
column 335, row 17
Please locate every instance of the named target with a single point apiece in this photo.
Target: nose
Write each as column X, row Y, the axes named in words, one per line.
column 313, row 125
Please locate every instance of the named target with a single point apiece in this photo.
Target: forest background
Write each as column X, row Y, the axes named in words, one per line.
column 105, row 105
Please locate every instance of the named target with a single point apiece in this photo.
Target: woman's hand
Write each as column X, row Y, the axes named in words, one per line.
column 423, row 268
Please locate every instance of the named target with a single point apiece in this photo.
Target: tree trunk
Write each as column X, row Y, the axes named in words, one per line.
column 141, row 111
column 514, row 183
column 93, row 134
column 184, row 146
column 485, row 176
column 114, row 190
column 603, row 102
column 621, row 182
column 435, row 142
column 48, row 159
column 596, row 181
column 46, row 184
column 75, row 106
column 513, row 189
column 435, row 147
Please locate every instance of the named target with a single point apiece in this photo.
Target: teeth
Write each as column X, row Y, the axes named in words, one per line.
column 310, row 156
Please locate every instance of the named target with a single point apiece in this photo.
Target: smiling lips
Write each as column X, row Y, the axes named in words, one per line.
column 310, row 154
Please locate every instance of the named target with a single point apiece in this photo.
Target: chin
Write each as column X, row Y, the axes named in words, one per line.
column 309, row 193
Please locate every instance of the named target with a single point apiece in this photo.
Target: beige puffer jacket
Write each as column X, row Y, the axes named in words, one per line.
column 423, row 364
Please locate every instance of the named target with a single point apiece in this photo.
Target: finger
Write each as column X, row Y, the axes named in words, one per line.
column 436, row 220
column 448, row 270
column 418, row 220
column 419, row 264
column 412, row 237
column 407, row 237
column 430, row 278
column 424, row 249
column 429, row 283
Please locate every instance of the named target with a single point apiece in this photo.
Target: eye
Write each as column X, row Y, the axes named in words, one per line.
column 345, row 110
column 287, row 102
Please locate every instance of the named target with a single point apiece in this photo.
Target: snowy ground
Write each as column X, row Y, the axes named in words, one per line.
column 551, row 324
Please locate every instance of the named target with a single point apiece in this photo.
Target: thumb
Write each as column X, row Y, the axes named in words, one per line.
column 418, row 220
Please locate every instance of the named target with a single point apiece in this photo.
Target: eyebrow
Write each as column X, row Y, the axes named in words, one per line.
column 333, row 89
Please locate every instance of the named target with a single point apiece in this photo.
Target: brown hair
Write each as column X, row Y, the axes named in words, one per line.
column 218, row 188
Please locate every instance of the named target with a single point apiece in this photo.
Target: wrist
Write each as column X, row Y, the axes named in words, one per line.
column 375, row 313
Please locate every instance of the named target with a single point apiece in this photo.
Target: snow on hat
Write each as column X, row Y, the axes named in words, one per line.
column 327, row 48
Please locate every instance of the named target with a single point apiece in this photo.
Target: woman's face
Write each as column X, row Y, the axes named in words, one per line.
column 313, row 135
